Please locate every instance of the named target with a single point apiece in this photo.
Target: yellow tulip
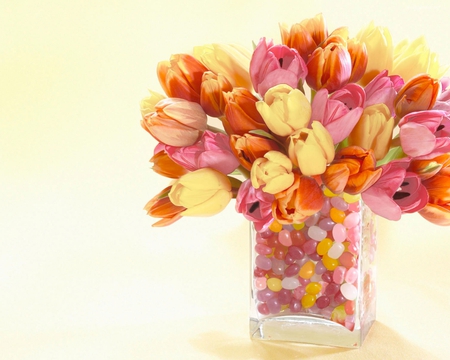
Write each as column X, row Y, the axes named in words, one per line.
column 380, row 50
column 203, row 192
column 284, row 109
column 311, row 149
column 148, row 103
column 273, row 172
column 230, row 60
column 374, row 130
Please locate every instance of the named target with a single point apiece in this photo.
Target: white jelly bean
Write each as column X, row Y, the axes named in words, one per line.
column 336, row 250
column 349, row 291
column 290, row 283
column 316, row 233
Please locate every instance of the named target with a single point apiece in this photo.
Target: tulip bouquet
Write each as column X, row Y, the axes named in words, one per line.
column 275, row 127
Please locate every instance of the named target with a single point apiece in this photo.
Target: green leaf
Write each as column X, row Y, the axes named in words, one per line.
column 393, row 154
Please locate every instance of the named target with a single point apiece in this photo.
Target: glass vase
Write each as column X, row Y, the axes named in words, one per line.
column 314, row 282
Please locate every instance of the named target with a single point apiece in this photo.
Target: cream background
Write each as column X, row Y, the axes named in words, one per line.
column 83, row 275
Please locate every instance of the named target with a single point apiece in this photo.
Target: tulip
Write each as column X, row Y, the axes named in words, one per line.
column 165, row 166
column 426, row 169
column 231, row 61
column 241, row 113
column 175, row 122
column 284, row 109
column 311, row 149
column 211, row 151
column 374, row 130
column 275, row 64
column 422, row 134
column 255, row 205
column 247, row 148
column 437, row 214
column 381, row 90
column 160, row 206
column 419, row 93
column 352, row 171
column 203, row 192
column 181, row 77
column 329, row 67
column 443, row 99
column 273, row 172
column 340, row 112
column 358, row 55
column 305, row 36
column 301, row 200
column 148, row 103
column 212, row 99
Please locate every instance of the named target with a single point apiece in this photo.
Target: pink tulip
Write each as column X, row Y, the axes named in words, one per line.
column 443, row 100
column 382, row 90
column 425, row 134
column 255, row 205
column 211, row 151
column 396, row 192
column 275, row 64
column 340, row 112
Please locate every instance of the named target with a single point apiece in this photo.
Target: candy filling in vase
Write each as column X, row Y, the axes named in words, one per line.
column 314, row 282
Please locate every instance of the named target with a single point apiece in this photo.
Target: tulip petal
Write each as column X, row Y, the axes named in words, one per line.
column 416, row 139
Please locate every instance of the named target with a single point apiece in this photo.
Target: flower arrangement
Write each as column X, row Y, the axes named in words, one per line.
column 275, row 127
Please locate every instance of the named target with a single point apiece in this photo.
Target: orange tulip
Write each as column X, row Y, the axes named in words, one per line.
column 247, row 148
column 301, row 200
column 241, row 113
column 352, row 171
column 417, row 94
column 165, row 166
column 358, row 54
column 426, row 169
column 181, row 77
column 160, row 206
column 211, row 93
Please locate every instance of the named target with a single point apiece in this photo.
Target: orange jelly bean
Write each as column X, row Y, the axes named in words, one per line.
column 307, row 270
column 313, row 288
column 338, row 216
column 276, row 226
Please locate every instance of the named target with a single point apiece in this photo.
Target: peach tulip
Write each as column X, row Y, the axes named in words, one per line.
column 160, row 206
column 148, row 103
column 212, row 99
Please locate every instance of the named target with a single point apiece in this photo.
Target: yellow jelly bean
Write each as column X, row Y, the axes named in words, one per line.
column 284, row 307
column 275, row 226
column 324, row 246
column 298, row 226
column 330, row 263
column 346, row 245
column 328, row 193
column 338, row 315
column 274, row 284
column 308, row 300
column 351, row 198
column 307, row 270
column 313, row 288
column 337, row 215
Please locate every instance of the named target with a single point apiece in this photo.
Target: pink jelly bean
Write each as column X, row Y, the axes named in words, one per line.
column 310, row 247
column 265, row 294
column 339, row 274
column 353, row 234
column 327, row 276
column 349, row 291
column 284, row 237
column 292, row 270
column 297, row 237
column 339, row 298
column 277, row 266
column 312, row 220
column 304, row 282
column 298, row 292
column 320, row 268
column 325, row 211
column 326, row 224
column 323, row 301
column 332, row 289
column 351, row 276
column 296, row 252
column 339, row 203
column 316, row 233
column 314, row 257
column 354, row 249
column 295, row 305
column 339, row 233
column 260, row 240
column 274, row 305
column 279, row 252
column 351, row 220
column 263, row 309
column 263, row 262
column 257, row 272
column 354, row 206
column 260, row 283
column 266, row 234
column 336, row 250
column 290, row 283
column 284, row 296
column 263, row 249
column 288, row 259
column 326, row 312
column 347, row 259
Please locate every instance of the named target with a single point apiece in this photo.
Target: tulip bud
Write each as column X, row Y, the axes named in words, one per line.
column 148, row 103
column 181, row 77
column 358, row 54
column 374, row 130
column 176, row 122
column 211, row 93
column 284, row 110
column 160, row 206
column 417, row 94
column 203, row 192
column 165, row 166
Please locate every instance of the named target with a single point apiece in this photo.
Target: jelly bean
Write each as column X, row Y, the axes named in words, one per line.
column 266, row 234
column 259, row 239
column 355, row 207
column 292, row 270
column 336, row 250
column 314, row 257
column 312, row 220
column 349, row 307
column 289, row 259
column 274, row 305
column 349, row 322
column 325, row 211
column 273, row 241
column 304, row 282
column 279, row 252
column 271, row 274
column 298, row 292
column 260, row 283
column 313, row 288
column 257, row 272
column 316, row 278
column 295, row 305
column 274, row 284
column 347, row 259
column 353, row 234
column 320, row 268
column 298, row 226
column 290, row 283
column 349, row 291
column 284, row 296
column 310, row 246
column 338, row 315
column 339, row 274
column 296, row 252
column 308, row 300
column 324, row 246
column 263, row 309
column 298, row 238
column 307, row 270
column 326, row 224
column 339, row 233
column 339, row 298
column 332, row 289
column 316, row 233
column 351, row 276
column 323, row 301
column 329, row 262
column 275, row 226
column 353, row 249
column 264, row 295
column 263, row 262
column 284, row 237
column 277, row 266
column 327, row 276
column 351, row 220
column 263, row 249
column 337, row 215
column 326, row 312
column 350, row 199
column 339, row 203
column 302, row 261
column 328, row 193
